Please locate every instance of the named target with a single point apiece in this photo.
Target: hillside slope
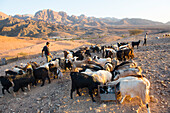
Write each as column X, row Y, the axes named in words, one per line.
column 55, row 97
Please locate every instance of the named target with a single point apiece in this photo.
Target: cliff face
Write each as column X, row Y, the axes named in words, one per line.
column 3, row 16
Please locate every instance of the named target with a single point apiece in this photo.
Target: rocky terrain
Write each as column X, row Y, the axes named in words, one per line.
column 55, row 97
column 39, row 29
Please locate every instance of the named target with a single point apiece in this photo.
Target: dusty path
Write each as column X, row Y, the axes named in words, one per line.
column 55, row 97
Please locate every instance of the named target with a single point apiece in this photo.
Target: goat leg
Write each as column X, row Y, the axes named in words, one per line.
column 8, row 90
column 78, row 92
column 91, row 94
column 49, row 81
column 22, row 89
column 3, row 89
column 43, row 81
column 29, row 87
column 71, row 93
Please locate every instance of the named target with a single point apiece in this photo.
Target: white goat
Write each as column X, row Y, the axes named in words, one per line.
column 134, row 86
column 46, row 65
column 127, row 72
column 123, row 47
column 18, row 70
column 102, row 74
column 56, row 63
column 79, row 63
column 101, row 61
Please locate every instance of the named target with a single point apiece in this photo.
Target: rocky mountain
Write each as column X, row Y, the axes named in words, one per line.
column 26, row 16
column 138, row 21
column 168, row 23
column 3, row 16
column 20, row 27
column 82, row 20
column 63, row 18
column 46, row 23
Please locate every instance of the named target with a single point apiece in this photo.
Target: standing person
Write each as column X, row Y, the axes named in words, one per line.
column 145, row 38
column 47, row 52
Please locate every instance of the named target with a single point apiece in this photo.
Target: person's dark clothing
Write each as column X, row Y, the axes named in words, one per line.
column 46, row 50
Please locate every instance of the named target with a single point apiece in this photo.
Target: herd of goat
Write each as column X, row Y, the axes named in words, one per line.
column 116, row 67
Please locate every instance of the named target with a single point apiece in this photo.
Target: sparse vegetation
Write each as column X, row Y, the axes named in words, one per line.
column 135, row 32
column 22, row 53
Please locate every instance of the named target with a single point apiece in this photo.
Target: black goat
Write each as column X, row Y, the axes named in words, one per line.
column 41, row 74
column 125, row 54
column 80, row 80
column 54, row 70
column 135, row 44
column 68, row 64
column 95, row 49
column 21, row 81
column 87, row 53
column 6, row 83
column 10, row 72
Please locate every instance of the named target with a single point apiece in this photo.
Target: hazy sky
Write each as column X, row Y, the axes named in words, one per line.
column 156, row 10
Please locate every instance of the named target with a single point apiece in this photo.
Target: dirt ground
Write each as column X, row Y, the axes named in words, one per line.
column 13, row 46
column 154, row 60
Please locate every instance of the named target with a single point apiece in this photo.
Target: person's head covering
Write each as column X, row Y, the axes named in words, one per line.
column 47, row 43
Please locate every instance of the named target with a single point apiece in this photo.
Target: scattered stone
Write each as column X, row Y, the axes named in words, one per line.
column 162, row 106
column 58, row 105
column 164, row 85
column 44, row 97
column 90, row 108
column 38, row 99
column 103, row 105
column 97, row 110
column 18, row 99
column 153, row 99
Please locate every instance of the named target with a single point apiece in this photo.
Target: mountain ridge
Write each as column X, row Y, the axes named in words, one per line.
column 62, row 17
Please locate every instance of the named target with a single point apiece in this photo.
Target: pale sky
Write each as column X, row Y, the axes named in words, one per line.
column 156, row 10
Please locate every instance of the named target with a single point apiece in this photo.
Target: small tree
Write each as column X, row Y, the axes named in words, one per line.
column 135, row 32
